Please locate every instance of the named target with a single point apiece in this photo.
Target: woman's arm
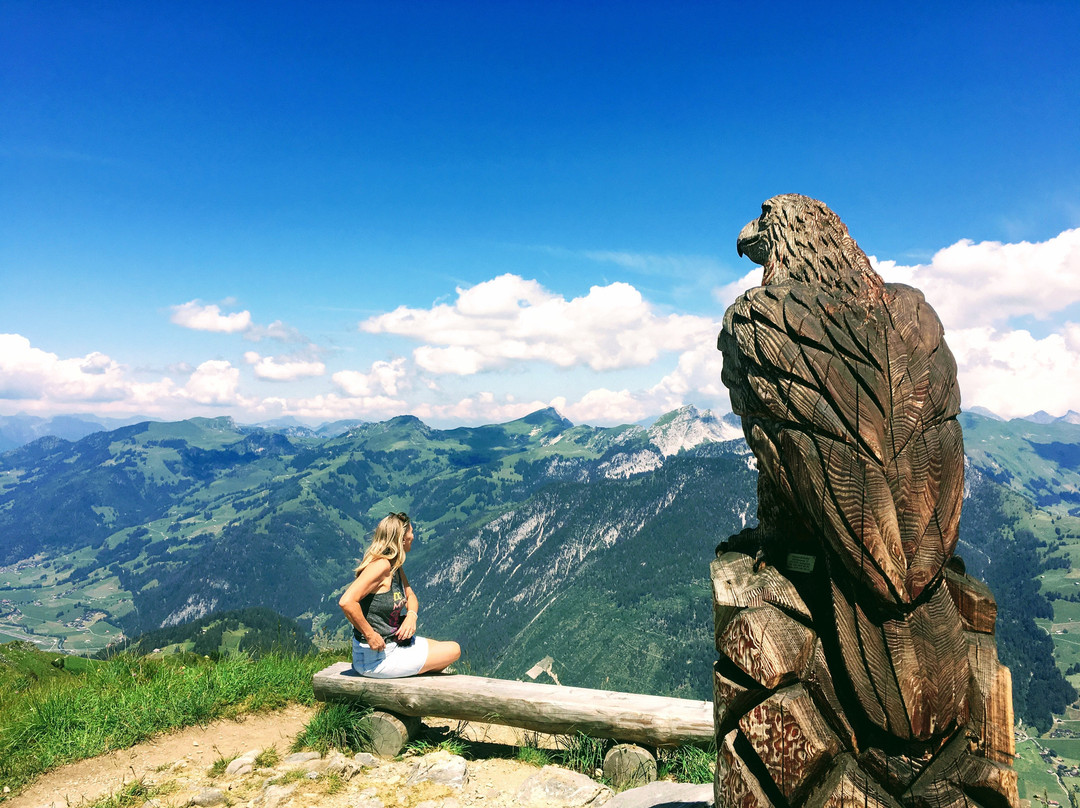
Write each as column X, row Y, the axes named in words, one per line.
column 362, row 586
column 408, row 625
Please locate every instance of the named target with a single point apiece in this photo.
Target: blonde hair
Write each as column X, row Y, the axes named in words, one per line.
column 388, row 543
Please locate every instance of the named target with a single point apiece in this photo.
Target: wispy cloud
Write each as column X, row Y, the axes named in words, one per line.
column 684, row 267
column 199, row 316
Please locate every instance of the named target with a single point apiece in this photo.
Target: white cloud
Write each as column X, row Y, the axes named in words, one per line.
column 215, row 382
column 208, row 317
column 28, row 373
column 603, row 407
column 384, row 379
column 513, row 320
column 482, row 407
column 1014, row 374
column 454, row 360
column 987, row 283
column 41, row 381
column 979, row 290
column 725, row 295
column 332, row 407
column 695, row 379
column 200, row 316
column 282, row 368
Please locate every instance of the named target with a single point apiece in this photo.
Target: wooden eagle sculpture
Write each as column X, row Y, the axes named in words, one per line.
column 848, row 397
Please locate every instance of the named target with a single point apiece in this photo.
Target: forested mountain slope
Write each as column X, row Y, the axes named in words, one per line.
column 537, row 538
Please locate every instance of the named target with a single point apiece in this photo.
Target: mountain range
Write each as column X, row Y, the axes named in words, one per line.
column 536, row 538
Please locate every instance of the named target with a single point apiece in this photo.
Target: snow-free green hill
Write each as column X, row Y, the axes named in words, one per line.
column 536, row 538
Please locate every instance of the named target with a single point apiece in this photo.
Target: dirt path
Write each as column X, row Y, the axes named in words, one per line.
column 195, row 748
column 185, row 757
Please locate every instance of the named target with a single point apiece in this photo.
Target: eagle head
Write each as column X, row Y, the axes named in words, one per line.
column 800, row 239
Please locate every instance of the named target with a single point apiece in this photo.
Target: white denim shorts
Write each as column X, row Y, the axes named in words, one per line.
column 393, row 662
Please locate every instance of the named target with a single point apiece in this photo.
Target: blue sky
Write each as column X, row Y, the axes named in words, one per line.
column 466, row 211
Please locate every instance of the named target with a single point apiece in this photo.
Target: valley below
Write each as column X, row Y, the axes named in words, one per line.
column 566, row 552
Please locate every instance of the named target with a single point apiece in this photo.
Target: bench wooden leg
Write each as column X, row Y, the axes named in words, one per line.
column 390, row 732
column 627, row 765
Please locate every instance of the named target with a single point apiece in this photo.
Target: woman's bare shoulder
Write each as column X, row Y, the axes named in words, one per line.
column 378, row 566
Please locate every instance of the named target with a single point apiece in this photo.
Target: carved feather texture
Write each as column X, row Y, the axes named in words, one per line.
column 862, row 415
column 849, row 400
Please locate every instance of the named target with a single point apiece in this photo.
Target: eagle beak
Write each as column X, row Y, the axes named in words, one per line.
column 746, row 241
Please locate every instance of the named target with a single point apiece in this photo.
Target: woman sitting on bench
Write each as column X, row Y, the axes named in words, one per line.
column 381, row 606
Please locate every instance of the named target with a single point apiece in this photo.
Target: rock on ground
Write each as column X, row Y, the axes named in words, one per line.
column 553, row 786
column 670, row 795
column 440, row 767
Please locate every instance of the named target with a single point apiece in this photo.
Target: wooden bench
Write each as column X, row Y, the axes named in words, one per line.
column 655, row 721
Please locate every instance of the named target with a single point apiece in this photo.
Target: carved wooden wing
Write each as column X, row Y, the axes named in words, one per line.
column 850, row 407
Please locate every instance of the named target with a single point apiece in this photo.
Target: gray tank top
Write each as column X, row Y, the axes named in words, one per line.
column 383, row 610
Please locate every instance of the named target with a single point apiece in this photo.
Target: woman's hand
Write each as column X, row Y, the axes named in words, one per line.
column 376, row 642
column 407, row 628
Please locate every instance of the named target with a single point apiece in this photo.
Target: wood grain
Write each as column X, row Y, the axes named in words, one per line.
column 848, row 397
column 735, row 785
column 847, row 786
column 767, row 645
column 991, row 699
column 791, row 738
column 651, row 720
column 973, row 600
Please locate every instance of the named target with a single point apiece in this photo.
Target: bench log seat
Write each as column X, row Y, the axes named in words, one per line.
column 657, row 721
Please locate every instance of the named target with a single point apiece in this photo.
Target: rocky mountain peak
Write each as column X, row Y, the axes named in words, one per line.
column 688, row 427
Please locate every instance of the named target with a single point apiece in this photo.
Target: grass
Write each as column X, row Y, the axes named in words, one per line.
column 1034, row 779
column 128, row 699
column 122, row 701
column 533, row 756
column 582, row 754
column 292, row 776
column 686, row 764
column 134, row 795
column 335, row 726
column 218, row 767
column 454, row 745
column 333, row 783
column 267, row 758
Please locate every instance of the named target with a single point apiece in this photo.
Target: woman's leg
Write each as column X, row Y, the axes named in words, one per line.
column 440, row 654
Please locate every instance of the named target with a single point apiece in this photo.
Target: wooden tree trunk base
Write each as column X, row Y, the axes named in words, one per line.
column 782, row 735
column 628, row 765
column 389, row 733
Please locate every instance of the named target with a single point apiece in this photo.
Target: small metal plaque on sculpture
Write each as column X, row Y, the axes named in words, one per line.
column 800, row 562
column 867, row 678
